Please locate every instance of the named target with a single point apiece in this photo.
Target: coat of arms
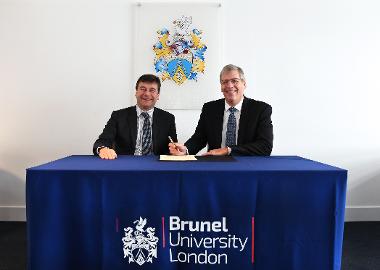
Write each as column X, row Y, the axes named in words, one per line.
column 180, row 55
column 140, row 245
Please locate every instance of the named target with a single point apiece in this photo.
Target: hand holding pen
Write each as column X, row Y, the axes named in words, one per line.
column 176, row 149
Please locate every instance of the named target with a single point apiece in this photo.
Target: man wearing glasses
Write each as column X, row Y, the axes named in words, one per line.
column 138, row 130
column 235, row 125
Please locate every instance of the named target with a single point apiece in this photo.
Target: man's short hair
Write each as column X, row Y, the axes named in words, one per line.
column 151, row 79
column 232, row 67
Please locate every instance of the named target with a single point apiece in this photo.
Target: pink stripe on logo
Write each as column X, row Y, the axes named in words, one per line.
column 163, row 231
column 253, row 241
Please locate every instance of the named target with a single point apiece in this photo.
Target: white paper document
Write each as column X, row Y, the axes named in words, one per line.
column 177, row 158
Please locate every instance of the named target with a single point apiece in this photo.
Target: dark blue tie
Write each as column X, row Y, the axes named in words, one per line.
column 231, row 128
column 146, row 144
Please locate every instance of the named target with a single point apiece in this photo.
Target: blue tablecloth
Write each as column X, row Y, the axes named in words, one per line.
column 141, row 213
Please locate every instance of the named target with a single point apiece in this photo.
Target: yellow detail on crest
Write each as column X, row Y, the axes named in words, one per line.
column 165, row 51
column 163, row 39
column 196, row 41
column 198, row 66
column 162, row 53
column 165, row 75
column 179, row 76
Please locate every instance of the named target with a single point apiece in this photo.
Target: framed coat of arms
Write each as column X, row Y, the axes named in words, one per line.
column 181, row 44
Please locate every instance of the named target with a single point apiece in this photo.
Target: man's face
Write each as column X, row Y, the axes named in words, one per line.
column 232, row 87
column 147, row 95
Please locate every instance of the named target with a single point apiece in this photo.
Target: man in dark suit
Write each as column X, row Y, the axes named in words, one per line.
column 138, row 130
column 235, row 125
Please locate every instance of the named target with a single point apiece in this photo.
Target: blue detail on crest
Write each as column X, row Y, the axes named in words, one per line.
column 158, row 45
column 174, row 64
column 200, row 53
column 193, row 76
column 163, row 31
column 196, row 31
column 161, row 65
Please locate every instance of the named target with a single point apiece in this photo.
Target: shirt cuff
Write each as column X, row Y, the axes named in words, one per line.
column 100, row 147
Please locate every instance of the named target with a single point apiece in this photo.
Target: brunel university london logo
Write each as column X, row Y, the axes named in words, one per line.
column 189, row 242
column 140, row 245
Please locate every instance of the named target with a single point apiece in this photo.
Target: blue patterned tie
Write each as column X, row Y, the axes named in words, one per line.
column 231, row 128
column 146, row 144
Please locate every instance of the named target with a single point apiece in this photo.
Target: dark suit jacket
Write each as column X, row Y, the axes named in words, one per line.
column 255, row 136
column 120, row 132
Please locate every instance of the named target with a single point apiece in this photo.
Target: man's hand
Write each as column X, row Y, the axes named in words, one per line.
column 217, row 152
column 107, row 153
column 177, row 149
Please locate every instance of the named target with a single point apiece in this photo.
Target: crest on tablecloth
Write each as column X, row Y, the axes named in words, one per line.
column 140, row 245
column 179, row 55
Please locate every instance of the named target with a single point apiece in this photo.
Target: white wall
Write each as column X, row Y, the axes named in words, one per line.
column 65, row 65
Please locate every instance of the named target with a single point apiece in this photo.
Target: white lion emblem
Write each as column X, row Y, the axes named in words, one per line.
column 140, row 246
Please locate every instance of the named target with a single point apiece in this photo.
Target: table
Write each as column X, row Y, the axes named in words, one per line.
column 279, row 212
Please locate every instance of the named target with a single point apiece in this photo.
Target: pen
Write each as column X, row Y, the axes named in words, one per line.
column 171, row 140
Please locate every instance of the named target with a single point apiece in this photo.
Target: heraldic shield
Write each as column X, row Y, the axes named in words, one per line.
column 140, row 245
column 179, row 69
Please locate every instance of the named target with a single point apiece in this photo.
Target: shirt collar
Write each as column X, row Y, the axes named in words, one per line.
column 237, row 107
column 139, row 111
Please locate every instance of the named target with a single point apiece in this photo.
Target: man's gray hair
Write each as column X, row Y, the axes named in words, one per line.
column 232, row 67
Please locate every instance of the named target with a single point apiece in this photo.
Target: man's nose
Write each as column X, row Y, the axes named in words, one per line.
column 229, row 83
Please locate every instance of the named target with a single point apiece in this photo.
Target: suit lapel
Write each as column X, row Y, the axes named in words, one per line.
column 219, row 114
column 155, row 128
column 244, row 119
column 132, row 121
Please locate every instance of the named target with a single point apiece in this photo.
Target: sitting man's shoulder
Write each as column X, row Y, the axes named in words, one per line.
column 163, row 112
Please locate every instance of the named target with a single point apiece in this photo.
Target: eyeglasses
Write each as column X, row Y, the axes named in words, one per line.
column 234, row 81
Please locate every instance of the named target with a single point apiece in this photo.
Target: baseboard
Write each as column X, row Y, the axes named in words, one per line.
column 362, row 213
column 12, row 213
column 353, row 213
